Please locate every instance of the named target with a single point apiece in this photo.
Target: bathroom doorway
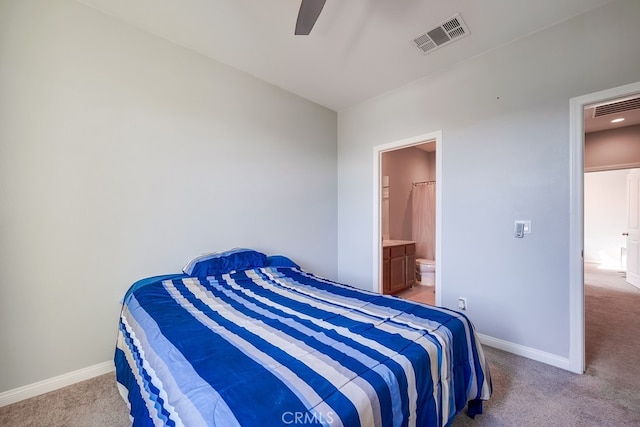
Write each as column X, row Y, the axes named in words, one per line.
column 399, row 167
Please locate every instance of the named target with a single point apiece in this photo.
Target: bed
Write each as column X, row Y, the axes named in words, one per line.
column 242, row 339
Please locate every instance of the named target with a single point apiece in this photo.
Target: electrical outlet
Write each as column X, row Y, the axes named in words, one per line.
column 462, row 303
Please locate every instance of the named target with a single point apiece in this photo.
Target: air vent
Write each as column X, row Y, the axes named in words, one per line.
column 452, row 29
column 617, row 107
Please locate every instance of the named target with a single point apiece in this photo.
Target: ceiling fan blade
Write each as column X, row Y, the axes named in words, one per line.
column 308, row 15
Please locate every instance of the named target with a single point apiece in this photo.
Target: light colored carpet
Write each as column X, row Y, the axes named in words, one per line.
column 526, row 393
column 92, row 403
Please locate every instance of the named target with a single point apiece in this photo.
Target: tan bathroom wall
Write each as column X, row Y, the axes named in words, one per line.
column 404, row 167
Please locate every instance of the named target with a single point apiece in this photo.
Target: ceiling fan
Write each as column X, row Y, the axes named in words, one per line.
column 307, row 16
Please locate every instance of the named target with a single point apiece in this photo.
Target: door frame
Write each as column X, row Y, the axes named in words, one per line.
column 378, row 150
column 576, row 215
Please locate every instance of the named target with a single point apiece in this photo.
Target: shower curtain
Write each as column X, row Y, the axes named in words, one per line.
column 424, row 219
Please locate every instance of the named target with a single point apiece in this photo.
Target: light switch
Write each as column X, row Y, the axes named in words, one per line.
column 524, row 225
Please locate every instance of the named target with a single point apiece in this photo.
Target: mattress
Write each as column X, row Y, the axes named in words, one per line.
column 278, row 346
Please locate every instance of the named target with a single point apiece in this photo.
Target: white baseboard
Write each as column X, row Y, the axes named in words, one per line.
column 51, row 384
column 528, row 352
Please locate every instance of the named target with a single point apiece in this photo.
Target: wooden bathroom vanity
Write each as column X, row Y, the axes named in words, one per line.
column 398, row 265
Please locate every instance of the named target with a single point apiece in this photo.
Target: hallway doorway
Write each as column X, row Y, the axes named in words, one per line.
column 578, row 106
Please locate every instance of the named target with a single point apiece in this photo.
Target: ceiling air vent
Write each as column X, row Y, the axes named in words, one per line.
column 617, row 107
column 452, row 29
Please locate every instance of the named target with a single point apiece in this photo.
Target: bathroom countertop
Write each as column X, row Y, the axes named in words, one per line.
column 388, row 243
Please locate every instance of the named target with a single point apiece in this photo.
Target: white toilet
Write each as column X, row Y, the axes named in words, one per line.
column 426, row 271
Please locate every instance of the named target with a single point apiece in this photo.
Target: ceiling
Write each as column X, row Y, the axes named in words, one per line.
column 357, row 50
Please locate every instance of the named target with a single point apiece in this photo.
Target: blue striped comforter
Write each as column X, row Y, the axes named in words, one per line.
column 282, row 347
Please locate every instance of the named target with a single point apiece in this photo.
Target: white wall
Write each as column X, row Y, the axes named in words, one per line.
column 505, row 156
column 122, row 156
column 605, row 216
